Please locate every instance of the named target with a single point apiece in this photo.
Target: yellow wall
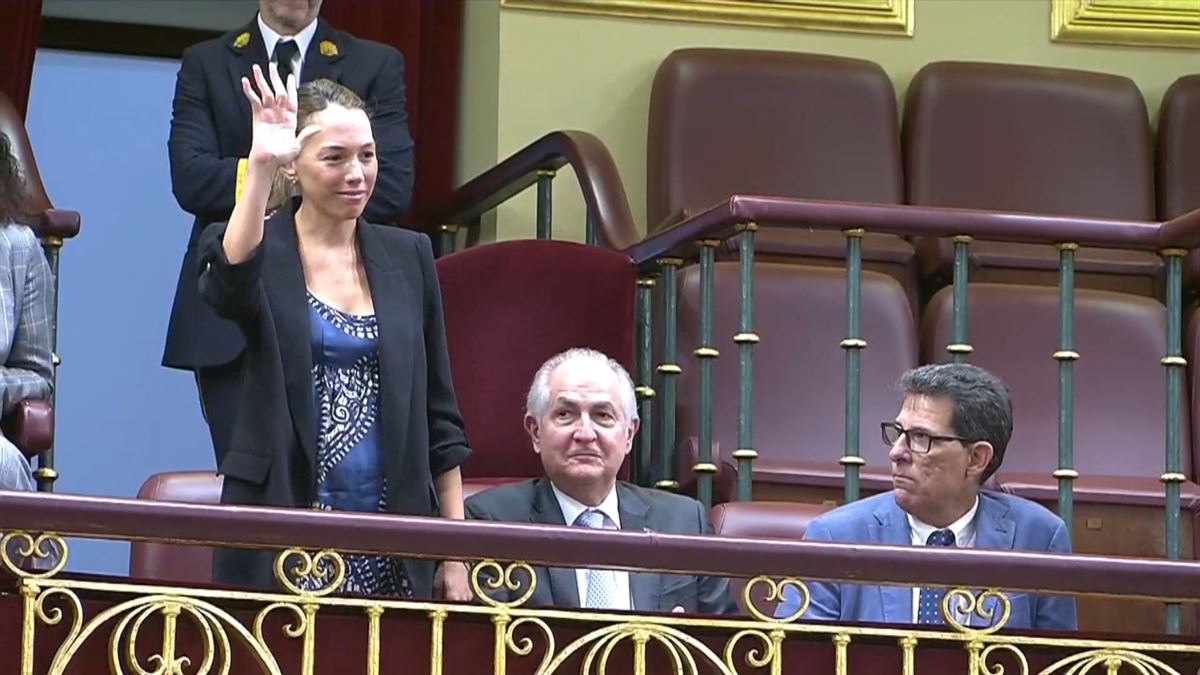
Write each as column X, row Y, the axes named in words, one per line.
column 551, row 71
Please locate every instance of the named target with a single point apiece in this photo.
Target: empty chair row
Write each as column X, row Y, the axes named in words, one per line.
column 974, row 135
column 1118, row 419
column 799, row 373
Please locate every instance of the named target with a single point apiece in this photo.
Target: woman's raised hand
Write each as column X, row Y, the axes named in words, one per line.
column 273, row 111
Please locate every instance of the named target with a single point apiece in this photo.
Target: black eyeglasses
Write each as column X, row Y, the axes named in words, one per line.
column 918, row 441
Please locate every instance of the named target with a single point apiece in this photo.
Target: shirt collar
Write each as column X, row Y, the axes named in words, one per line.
column 303, row 38
column 963, row 528
column 571, row 507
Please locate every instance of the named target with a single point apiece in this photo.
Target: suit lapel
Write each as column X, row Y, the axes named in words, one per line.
column 891, row 528
column 564, row 589
column 393, row 299
column 644, row 587
column 290, row 309
column 994, row 529
column 243, row 57
column 324, row 63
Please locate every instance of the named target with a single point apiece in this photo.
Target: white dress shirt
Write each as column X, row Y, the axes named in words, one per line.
column 571, row 508
column 964, row 537
column 303, row 40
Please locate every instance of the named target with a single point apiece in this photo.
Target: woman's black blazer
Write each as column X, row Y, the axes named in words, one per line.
column 272, row 456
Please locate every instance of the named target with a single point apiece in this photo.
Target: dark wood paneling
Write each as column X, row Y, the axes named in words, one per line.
column 105, row 37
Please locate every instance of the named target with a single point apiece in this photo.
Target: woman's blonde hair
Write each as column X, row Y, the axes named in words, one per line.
column 311, row 98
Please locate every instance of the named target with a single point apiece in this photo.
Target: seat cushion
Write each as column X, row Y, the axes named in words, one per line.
column 185, row 564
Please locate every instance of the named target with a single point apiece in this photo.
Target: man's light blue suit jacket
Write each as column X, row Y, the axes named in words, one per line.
column 1002, row 522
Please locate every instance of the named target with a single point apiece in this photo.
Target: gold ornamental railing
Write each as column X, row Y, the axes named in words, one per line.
column 70, row 624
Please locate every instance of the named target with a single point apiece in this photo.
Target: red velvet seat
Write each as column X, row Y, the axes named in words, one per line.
column 1033, row 139
column 188, row 564
column 1178, row 161
column 1119, row 434
column 728, row 121
column 764, row 520
column 31, row 425
column 177, row 563
column 1178, row 138
column 799, row 371
column 510, row 306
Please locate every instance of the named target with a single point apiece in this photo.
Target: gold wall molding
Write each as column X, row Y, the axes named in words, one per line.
column 1155, row 23
column 882, row 17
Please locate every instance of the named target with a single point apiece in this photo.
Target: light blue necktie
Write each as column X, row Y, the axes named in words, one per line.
column 929, row 605
column 601, row 584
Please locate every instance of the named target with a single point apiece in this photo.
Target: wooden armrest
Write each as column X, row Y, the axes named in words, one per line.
column 30, row 427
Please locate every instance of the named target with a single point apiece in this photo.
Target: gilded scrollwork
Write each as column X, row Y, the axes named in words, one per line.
column 1112, row 659
column 524, row 646
column 680, row 647
column 296, row 628
column 992, row 667
column 310, row 574
column 213, row 622
column 24, row 555
column 488, row 577
column 760, row 656
column 960, row 605
column 775, row 594
column 749, row 644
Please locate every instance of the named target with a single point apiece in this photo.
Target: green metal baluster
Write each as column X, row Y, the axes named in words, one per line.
column 1174, row 364
column 447, row 238
column 705, row 469
column 545, row 202
column 669, row 370
column 46, row 474
column 745, row 340
column 644, row 467
column 1066, row 357
column 592, row 237
column 960, row 348
column 853, row 345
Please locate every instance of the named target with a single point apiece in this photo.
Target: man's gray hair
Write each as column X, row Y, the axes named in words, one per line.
column 539, row 392
column 982, row 403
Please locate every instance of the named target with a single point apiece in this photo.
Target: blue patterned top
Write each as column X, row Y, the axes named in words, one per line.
column 350, row 468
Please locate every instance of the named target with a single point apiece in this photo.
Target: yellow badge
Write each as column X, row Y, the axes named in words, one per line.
column 328, row 48
column 241, row 41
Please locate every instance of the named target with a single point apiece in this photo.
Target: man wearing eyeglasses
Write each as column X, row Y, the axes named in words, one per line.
column 947, row 440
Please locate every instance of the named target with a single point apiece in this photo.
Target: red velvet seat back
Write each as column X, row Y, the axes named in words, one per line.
column 726, row 121
column 763, row 520
column 1118, row 381
column 799, row 367
column 1028, row 138
column 1037, row 140
column 186, row 564
column 12, row 125
column 510, row 306
column 1178, row 141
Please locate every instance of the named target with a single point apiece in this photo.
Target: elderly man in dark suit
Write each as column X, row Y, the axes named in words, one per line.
column 581, row 417
column 210, row 137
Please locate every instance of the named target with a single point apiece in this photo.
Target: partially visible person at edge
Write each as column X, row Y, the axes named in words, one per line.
column 26, row 301
column 208, row 147
column 348, row 399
